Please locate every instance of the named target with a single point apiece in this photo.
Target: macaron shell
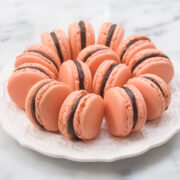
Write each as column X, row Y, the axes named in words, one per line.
column 75, row 39
column 118, row 112
column 20, row 82
column 90, row 36
column 35, row 58
column 68, row 74
column 118, row 77
column 45, row 49
column 29, row 98
column 159, row 66
column 99, row 75
column 65, row 111
column 141, row 107
column 86, row 123
column 153, row 97
column 137, row 47
column 47, row 105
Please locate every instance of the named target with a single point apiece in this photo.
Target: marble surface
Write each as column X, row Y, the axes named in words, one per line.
column 21, row 23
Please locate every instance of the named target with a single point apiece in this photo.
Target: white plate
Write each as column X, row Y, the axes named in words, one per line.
column 104, row 148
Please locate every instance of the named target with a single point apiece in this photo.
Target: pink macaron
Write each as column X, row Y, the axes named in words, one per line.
column 110, row 35
column 76, row 74
column 108, row 75
column 81, row 115
column 156, row 94
column 58, row 42
column 133, row 44
column 43, row 103
column 23, row 78
column 125, row 110
column 152, row 61
column 94, row 55
column 81, row 34
column 40, row 54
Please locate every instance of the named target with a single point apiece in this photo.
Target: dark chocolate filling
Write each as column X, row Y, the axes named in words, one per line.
column 70, row 129
column 80, row 73
column 147, row 57
column 46, row 56
column 130, row 44
column 106, row 76
column 58, row 48
column 156, row 83
column 83, row 34
column 31, row 67
column 33, row 107
column 134, row 105
column 110, row 34
column 91, row 53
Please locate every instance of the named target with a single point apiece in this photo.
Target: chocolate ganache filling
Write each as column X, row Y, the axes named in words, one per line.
column 106, row 76
column 80, row 73
column 58, row 48
column 83, row 34
column 110, row 34
column 134, row 105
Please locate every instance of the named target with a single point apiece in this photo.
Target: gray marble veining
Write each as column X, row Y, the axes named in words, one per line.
column 21, row 24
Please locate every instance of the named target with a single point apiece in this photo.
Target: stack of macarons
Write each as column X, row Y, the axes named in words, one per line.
column 67, row 84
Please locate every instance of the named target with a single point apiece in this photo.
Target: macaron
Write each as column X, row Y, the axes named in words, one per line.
column 58, row 42
column 81, row 34
column 76, row 74
column 40, row 54
column 110, row 35
column 108, row 75
column 23, row 78
column 125, row 110
column 94, row 55
column 152, row 61
column 81, row 115
column 43, row 103
column 133, row 44
column 155, row 92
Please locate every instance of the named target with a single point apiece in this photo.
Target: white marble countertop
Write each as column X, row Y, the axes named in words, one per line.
column 21, row 23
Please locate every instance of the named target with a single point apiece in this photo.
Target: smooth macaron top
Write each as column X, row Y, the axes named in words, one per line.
column 110, row 35
column 43, row 103
column 81, row 34
column 58, row 42
column 81, row 115
column 108, row 75
column 132, row 45
column 76, row 74
column 125, row 110
column 23, row 78
column 39, row 54
column 94, row 55
column 155, row 92
column 152, row 61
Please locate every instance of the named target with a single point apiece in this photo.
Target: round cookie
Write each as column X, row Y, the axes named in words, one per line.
column 58, row 42
column 133, row 44
column 155, row 92
column 94, row 55
column 76, row 74
column 76, row 120
column 125, row 110
column 110, row 35
column 81, row 34
column 40, row 54
column 43, row 103
column 152, row 61
column 23, row 78
column 108, row 75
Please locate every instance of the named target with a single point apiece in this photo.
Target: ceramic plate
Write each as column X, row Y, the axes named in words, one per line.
column 104, row 148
